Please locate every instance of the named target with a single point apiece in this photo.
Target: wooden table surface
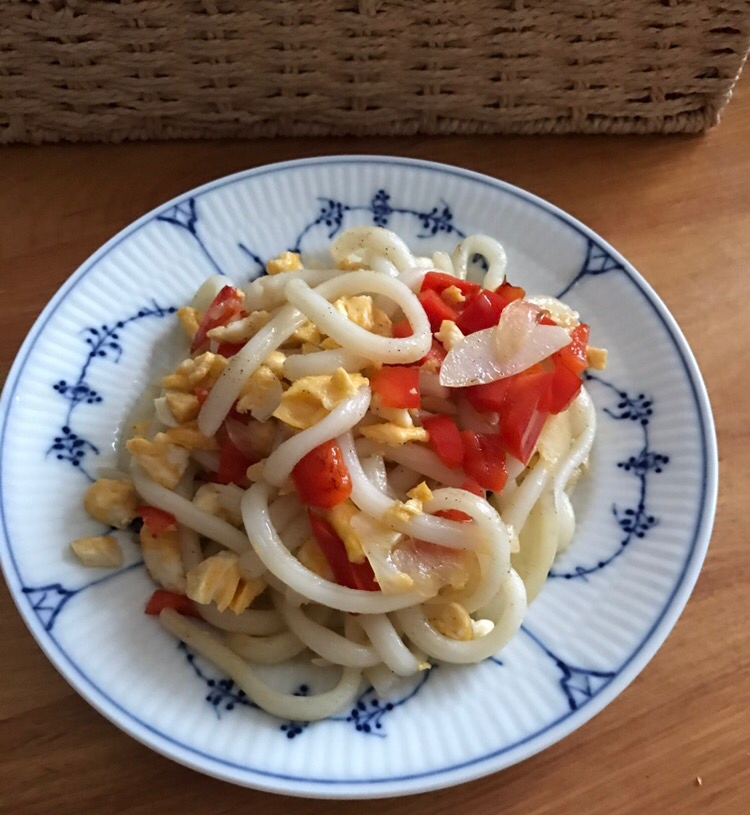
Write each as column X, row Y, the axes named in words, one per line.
column 678, row 739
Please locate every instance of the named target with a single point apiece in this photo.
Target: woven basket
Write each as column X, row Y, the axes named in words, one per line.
column 152, row 69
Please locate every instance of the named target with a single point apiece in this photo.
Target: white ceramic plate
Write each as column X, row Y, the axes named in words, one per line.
column 645, row 511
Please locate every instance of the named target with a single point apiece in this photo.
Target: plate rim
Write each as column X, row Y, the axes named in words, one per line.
column 477, row 767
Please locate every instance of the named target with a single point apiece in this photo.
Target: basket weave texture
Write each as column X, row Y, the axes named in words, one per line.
column 110, row 70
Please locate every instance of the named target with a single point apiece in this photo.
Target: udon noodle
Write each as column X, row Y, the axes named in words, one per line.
column 366, row 467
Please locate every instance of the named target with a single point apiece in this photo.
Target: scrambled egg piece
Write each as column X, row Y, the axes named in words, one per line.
column 192, row 373
column 99, row 550
column 452, row 620
column 596, row 357
column 189, row 319
column 164, row 461
column 307, row 333
column 208, row 498
column 163, row 558
column 403, row 510
column 111, row 501
column 393, row 434
column 285, row 262
column 242, row 330
column 453, row 295
column 421, row 492
column 311, row 398
column 189, row 437
column 449, row 334
column 310, row 556
column 399, row 416
column 357, row 308
column 261, row 386
column 349, row 264
column 341, row 520
column 218, row 579
column 183, row 406
column 360, row 310
column 329, row 344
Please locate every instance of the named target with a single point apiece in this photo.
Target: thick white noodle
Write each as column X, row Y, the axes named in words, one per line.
column 374, row 468
column 354, row 338
column 389, row 645
column 281, row 563
column 417, row 627
column 343, row 417
column 190, row 515
column 284, row 705
column 320, row 363
column 490, row 250
column 382, row 679
column 190, row 547
column 417, row 458
column 266, row 650
column 443, row 263
column 267, row 292
column 538, row 541
column 583, row 418
column 366, row 243
column 515, row 508
column 494, row 552
column 369, row 499
column 258, row 622
column 335, row 648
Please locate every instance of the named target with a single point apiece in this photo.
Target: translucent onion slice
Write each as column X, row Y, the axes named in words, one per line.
column 516, row 343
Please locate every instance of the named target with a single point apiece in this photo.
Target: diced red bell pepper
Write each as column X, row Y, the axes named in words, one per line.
column 156, row 520
column 440, row 281
column 484, row 459
column 402, row 329
column 225, row 307
column 489, row 398
column 563, row 389
column 521, row 420
column 346, row 573
column 162, row 599
column 229, row 349
column 201, row 394
column 455, row 514
column 573, row 356
column 445, row 440
column 321, row 478
column 436, row 309
column 397, row 387
column 510, row 293
column 483, row 310
column 433, row 359
column 233, row 464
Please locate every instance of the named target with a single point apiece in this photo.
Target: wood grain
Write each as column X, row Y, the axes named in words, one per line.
column 679, row 208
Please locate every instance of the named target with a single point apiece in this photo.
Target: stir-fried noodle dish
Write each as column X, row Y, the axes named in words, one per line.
column 365, row 468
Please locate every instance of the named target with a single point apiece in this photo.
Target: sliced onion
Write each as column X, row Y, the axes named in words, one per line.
column 242, row 437
column 515, row 344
